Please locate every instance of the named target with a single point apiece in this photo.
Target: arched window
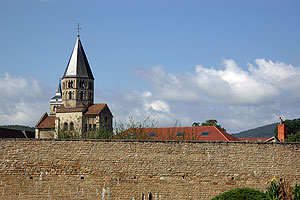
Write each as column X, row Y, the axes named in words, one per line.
column 81, row 95
column 65, row 126
column 90, row 127
column 54, row 108
column 71, row 84
column 71, row 126
column 70, row 95
column 150, row 196
column 106, row 119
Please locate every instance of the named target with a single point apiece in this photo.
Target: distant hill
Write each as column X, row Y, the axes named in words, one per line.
column 18, row 127
column 259, row 132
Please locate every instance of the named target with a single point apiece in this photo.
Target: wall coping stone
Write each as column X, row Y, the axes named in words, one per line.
column 144, row 141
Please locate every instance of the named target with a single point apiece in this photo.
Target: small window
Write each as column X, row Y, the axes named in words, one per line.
column 130, row 134
column 90, row 127
column 150, row 196
column 65, row 126
column 94, row 126
column 152, row 134
column 205, row 133
column 70, row 95
column 85, row 128
column 71, row 126
column 180, row 134
column 106, row 119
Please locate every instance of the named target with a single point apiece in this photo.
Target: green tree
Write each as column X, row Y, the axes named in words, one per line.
column 294, row 137
column 210, row 122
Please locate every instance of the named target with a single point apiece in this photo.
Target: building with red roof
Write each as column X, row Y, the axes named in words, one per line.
column 197, row 133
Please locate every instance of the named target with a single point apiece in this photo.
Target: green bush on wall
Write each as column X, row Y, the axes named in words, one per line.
column 241, row 194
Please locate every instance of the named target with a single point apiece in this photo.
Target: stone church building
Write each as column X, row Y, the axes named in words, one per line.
column 73, row 107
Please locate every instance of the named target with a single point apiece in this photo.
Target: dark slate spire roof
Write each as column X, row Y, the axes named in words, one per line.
column 78, row 66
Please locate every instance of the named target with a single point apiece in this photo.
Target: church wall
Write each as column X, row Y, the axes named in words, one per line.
column 75, row 117
column 106, row 119
column 95, row 169
column 45, row 133
column 91, row 120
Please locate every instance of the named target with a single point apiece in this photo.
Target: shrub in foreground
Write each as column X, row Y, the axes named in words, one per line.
column 241, row 194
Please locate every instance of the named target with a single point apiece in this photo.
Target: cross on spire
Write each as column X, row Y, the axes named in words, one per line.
column 78, row 28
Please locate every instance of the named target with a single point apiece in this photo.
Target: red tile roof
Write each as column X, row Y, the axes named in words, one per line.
column 95, row 109
column 197, row 133
column 48, row 122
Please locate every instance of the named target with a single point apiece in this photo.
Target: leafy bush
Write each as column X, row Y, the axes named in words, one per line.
column 101, row 133
column 279, row 190
column 241, row 194
column 93, row 134
column 64, row 134
column 296, row 192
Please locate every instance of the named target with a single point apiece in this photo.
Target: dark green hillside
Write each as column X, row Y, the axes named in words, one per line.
column 18, row 127
column 259, row 132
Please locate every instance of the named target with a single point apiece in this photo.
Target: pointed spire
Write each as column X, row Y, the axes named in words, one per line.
column 57, row 98
column 59, row 88
column 78, row 66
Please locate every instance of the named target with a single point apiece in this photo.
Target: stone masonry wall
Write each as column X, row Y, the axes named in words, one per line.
column 54, row 169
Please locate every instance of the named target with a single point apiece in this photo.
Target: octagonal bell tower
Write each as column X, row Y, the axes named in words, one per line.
column 78, row 80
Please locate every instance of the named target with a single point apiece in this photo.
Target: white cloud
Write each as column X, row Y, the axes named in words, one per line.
column 239, row 98
column 23, row 100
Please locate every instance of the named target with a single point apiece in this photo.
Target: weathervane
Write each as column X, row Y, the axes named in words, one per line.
column 78, row 28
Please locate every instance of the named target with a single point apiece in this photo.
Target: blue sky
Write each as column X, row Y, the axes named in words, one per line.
column 168, row 60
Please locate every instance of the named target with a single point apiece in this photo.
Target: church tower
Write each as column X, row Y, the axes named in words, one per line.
column 78, row 80
column 72, row 109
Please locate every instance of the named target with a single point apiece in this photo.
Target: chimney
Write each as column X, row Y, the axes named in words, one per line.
column 282, row 131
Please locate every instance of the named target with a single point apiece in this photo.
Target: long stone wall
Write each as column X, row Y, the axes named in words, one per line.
column 53, row 169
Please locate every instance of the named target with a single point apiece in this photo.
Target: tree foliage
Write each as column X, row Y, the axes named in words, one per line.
column 210, row 122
